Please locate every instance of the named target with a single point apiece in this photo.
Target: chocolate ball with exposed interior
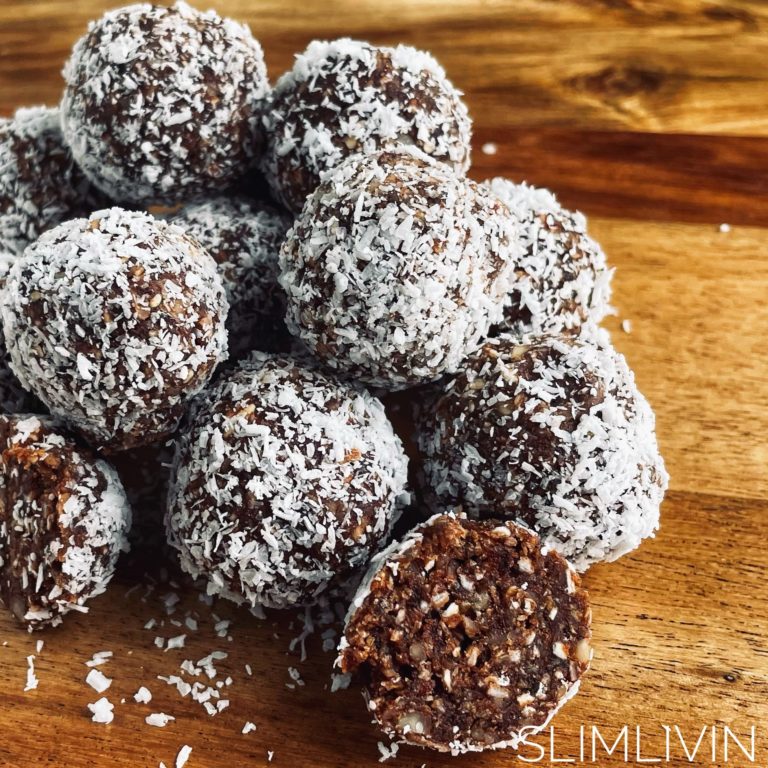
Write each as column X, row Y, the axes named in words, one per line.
column 466, row 636
column 396, row 268
column 553, row 433
column 162, row 104
column 562, row 281
column 244, row 238
column 114, row 322
column 285, row 482
column 63, row 521
column 40, row 184
column 346, row 97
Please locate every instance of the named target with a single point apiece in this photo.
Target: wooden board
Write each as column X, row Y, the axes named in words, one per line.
column 651, row 116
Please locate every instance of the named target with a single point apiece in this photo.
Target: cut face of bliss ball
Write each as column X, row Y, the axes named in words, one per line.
column 40, row 185
column 562, row 282
column 346, row 97
column 553, row 433
column 114, row 322
column 285, row 482
column 161, row 104
column 244, row 238
column 466, row 637
column 63, row 522
column 396, row 268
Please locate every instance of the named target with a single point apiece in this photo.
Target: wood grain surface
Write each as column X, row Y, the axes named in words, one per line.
column 652, row 117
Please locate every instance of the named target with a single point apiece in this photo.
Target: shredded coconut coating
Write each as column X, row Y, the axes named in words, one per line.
column 466, row 635
column 554, row 433
column 562, row 278
column 285, row 482
column 244, row 238
column 397, row 268
column 64, row 518
column 346, row 97
column 114, row 322
column 40, row 184
column 162, row 104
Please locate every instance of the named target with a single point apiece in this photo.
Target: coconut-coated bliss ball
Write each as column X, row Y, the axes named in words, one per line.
column 285, row 482
column 40, row 184
column 114, row 322
column 345, row 97
column 162, row 104
column 64, row 518
column 396, row 268
column 244, row 238
column 466, row 636
column 553, row 433
column 562, row 281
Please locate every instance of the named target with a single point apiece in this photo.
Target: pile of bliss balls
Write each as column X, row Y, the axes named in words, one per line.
column 189, row 253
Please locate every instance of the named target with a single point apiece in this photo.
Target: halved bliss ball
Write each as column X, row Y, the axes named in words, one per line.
column 64, row 517
column 466, row 636
column 284, row 484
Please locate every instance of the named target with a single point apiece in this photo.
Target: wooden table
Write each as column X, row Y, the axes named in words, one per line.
column 652, row 117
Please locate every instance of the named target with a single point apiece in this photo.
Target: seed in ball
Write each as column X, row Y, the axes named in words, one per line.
column 244, row 238
column 284, row 484
column 466, row 636
column 162, row 104
column 562, row 281
column 63, row 522
column 396, row 268
column 40, row 184
column 554, row 433
column 346, row 97
column 114, row 322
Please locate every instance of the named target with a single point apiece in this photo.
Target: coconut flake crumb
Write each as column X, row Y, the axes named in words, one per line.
column 99, row 658
column 248, row 727
column 183, row 756
column 158, row 719
column 725, row 228
column 39, row 646
column 32, row 680
column 102, row 711
column 176, row 642
column 98, row 680
column 340, row 682
column 295, row 675
column 489, row 148
column 270, row 755
column 387, row 753
column 142, row 696
column 626, row 326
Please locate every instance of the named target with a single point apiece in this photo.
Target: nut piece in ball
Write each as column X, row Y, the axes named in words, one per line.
column 346, row 97
column 553, row 433
column 244, row 238
column 396, row 268
column 466, row 636
column 63, row 522
column 162, row 104
column 40, row 185
column 114, row 322
column 562, row 281
column 285, row 483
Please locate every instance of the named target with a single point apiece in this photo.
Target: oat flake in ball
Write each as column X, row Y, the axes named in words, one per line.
column 466, row 636
column 114, row 322
column 562, row 281
column 63, row 522
column 553, row 433
column 244, row 238
column 345, row 97
column 161, row 104
column 40, row 184
column 396, row 268
column 285, row 482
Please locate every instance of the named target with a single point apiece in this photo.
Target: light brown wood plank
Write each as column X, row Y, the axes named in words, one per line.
column 693, row 66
